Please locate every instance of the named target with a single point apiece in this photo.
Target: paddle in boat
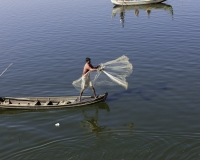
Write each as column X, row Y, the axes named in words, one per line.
column 49, row 102
column 135, row 2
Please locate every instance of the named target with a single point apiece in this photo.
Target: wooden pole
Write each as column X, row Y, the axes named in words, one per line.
column 5, row 70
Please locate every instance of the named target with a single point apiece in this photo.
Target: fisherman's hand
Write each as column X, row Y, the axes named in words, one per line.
column 98, row 65
column 101, row 69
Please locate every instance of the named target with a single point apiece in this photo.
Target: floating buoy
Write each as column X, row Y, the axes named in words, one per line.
column 57, row 124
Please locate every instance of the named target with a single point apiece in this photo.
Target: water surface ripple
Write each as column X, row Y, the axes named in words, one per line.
column 157, row 117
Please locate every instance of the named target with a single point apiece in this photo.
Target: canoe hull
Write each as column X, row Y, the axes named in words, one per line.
column 135, row 2
column 37, row 103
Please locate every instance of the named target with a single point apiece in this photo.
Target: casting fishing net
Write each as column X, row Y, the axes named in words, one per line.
column 110, row 73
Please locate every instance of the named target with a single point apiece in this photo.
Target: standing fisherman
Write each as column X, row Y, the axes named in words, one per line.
column 86, row 82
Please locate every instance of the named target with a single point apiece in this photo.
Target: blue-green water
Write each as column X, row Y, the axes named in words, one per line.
column 48, row 41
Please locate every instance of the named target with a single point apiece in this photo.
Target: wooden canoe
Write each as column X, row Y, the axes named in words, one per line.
column 49, row 102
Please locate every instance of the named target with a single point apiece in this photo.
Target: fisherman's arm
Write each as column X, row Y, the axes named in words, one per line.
column 91, row 68
column 96, row 67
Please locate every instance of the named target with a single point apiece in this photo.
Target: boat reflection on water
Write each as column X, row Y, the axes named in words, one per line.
column 136, row 9
column 15, row 111
column 91, row 117
column 101, row 105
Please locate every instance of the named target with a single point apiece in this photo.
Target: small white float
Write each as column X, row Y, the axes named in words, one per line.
column 57, row 124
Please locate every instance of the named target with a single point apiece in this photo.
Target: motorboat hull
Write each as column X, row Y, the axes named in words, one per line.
column 135, row 2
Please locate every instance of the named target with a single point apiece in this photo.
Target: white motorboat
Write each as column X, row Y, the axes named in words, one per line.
column 135, row 2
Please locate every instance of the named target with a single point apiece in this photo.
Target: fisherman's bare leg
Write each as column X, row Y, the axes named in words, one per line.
column 81, row 92
column 93, row 90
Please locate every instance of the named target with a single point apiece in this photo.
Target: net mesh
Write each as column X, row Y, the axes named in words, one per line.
column 114, row 73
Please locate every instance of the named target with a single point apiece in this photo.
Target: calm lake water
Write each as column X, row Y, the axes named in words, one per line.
column 48, row 41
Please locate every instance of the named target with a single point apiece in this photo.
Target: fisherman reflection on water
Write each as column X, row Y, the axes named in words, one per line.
column 92, row 122
column 137, row 12
column 86, row 82
column 148, row 12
